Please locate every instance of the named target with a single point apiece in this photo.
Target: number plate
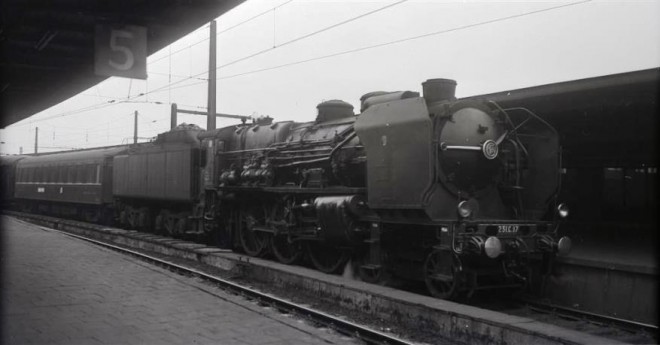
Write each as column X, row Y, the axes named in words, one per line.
column 507, row 229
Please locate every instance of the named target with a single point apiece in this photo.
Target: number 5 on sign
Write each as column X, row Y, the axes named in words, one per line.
column 121, row 51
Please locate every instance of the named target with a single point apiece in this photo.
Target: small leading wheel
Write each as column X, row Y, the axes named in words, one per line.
column 442, row 274
column 327, row 258
column 374, row 274
column 254, row 243
column 285, row 251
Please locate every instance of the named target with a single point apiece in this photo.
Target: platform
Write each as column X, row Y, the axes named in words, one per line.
column 60, row 290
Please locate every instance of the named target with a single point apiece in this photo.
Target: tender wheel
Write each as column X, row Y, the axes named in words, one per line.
column 123, row 218
column 327, row 258
column 254, row 243
column 181, row 225
column 169, row 222
column 285, row 251
column 442, row 274
column 144, row 220
column 159, row 222
column 131, row 218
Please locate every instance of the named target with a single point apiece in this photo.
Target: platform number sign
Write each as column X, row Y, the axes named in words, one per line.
column 121, row 50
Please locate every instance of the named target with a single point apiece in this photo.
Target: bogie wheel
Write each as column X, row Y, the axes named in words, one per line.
column 442, row 274
column 254, row 243
column 327, row 258
column 91, row 216
column 286, row 251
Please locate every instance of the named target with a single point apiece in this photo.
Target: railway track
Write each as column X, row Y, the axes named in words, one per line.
column 594, row 318
column 599, row 325
column 618, row 329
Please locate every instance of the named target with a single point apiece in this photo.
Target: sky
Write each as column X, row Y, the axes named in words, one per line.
column 283, row 57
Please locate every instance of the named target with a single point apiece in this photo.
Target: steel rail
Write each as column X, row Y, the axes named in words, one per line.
column 589, row 316
column 352, row 329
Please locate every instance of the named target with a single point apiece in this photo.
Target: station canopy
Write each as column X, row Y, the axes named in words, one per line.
column 602, row 121
column 48, row 45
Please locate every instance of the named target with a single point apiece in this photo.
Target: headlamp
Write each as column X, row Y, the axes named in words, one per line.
column 464, row 209
column 562, row 209
column 564, row 246
column 493, row 247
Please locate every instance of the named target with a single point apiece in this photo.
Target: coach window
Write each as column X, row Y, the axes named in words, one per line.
column 80, row 173
column 83, row 174
column 71, row 174
column 92, row 173
column 98, row 174
column 85, row 178
column 52, row 174
column 38, row 173
column 61, row 174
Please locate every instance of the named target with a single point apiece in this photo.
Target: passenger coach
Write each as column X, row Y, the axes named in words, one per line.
column 75, row 183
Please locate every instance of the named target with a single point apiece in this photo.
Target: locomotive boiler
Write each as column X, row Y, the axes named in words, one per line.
column 459, row 194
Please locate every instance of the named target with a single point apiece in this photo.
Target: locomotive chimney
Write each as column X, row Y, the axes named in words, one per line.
column 437, row 90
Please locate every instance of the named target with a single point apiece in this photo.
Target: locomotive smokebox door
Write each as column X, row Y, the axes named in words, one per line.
column 397, row 136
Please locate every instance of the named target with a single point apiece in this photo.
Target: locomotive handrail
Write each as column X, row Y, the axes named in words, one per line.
column 444, row 147
column 329, row 155
column 489, row 147
column 243, row 151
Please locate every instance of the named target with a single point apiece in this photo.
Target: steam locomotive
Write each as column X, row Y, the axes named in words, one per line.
column 459, row 194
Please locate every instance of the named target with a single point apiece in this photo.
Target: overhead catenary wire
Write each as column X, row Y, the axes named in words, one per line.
column 463, row 27
column 314, row 33
column 169, row 86
column 299, row 38
column 224, row 30
column 444, row 31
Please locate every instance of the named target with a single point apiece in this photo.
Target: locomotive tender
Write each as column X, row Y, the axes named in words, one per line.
column 459, row 194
